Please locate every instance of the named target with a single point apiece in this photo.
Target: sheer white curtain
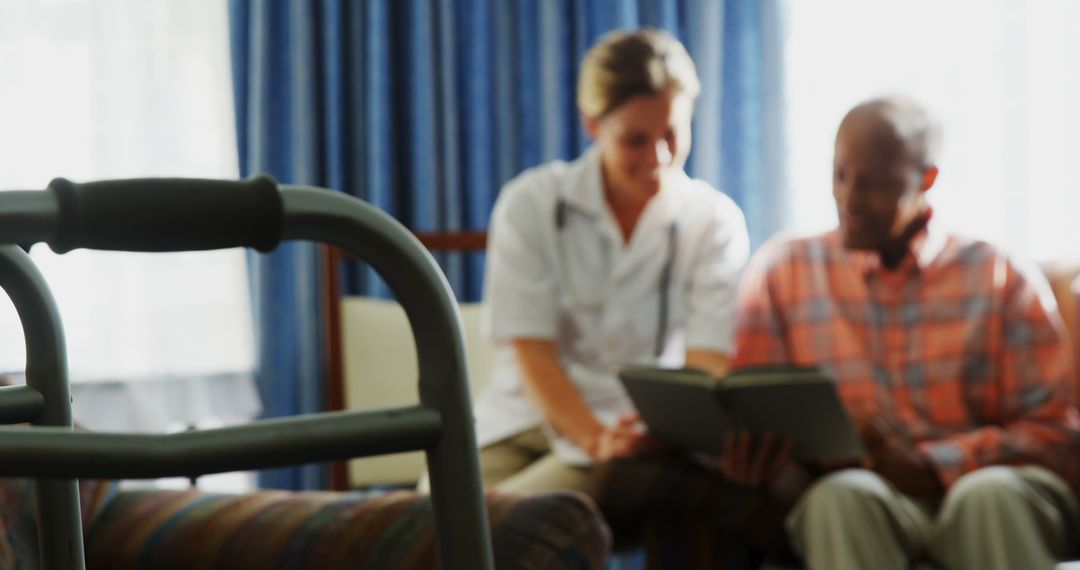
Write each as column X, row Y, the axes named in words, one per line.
column 97, row 89
column 1004, row 78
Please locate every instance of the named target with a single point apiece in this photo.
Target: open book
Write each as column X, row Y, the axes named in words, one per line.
column 695, row 410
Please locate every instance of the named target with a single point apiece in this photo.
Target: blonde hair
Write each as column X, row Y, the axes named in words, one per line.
column 624, row 64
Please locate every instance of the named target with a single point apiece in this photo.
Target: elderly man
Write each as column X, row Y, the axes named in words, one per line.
column 949, row 355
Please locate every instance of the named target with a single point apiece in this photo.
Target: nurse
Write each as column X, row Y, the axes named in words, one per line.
column 615, row 258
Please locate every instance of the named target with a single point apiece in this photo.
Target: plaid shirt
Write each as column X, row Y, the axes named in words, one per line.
column 960, row 350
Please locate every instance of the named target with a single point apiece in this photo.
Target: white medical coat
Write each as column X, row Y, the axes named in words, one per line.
column 597, row 297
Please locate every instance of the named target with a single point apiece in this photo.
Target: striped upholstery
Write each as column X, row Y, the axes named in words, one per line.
column 18, row 520
column 18, row 533
column 164, row 529
column 185, row 530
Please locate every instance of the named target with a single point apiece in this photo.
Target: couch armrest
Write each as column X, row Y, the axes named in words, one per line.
column 276, row 529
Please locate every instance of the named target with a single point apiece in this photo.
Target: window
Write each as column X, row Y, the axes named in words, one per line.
column 1002, row 76
column 98, row 89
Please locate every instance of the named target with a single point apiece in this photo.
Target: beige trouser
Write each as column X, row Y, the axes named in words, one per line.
column 996, row 517
column 525, row 462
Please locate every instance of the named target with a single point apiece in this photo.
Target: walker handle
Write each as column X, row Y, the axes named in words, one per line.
column 167, row 214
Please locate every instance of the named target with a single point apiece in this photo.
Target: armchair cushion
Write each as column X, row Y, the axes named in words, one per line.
column 191, row 529
column 164, row 530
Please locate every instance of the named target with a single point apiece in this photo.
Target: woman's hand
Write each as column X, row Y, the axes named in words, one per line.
column 745, row 461
column 626, row 438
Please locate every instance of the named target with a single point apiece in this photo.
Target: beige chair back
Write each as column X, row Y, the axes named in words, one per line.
column 380, row 371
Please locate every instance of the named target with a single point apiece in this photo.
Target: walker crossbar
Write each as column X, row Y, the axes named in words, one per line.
column 57, row 452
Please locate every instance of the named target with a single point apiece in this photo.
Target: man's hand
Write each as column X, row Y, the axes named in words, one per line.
column 895, row 459
column 753, row 463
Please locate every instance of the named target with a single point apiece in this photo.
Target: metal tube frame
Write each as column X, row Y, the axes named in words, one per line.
column 60, row 540
column 441, row 424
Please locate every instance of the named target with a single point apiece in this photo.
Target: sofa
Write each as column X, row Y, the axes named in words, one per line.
column 1064, row 279
column 128, row 529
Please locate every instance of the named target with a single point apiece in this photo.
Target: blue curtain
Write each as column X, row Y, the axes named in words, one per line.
column 426, row 107
column 290, row 126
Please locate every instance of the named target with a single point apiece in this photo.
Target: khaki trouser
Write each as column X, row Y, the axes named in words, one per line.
column 525, row 462
column 996, row 517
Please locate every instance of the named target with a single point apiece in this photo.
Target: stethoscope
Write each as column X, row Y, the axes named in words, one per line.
column 563, row 208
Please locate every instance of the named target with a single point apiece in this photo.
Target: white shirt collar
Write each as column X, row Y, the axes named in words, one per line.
column 586, row 194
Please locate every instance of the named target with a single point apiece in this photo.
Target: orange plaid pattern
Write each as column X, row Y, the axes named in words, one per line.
column 958, row 349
